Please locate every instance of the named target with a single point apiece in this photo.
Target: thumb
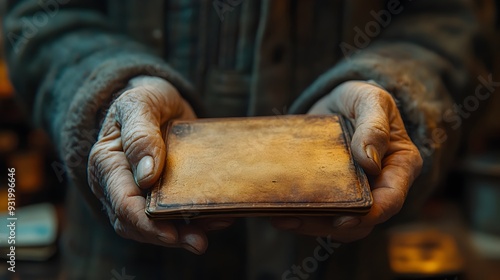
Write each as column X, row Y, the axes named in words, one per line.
column 372, row 130
column 142, row 112
column 370, row 108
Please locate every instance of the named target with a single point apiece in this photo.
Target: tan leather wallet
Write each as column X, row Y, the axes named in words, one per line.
column 259, row 166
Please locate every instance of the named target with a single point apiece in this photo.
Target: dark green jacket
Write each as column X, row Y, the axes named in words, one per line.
column 237, row 58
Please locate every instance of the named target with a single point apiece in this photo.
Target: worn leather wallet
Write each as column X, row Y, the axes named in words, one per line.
column 259, row 166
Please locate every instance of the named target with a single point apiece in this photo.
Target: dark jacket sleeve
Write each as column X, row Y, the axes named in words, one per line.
column 66, row 63
column 431, row 57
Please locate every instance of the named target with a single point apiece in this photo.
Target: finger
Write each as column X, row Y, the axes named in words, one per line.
column 141, row 112
column 123, row 200
column 389, row 190
column 369, row 107
column 193, row 239
column 110, row 178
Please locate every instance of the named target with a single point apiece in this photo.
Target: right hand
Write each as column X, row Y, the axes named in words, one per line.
column 128, row 158
column 381, row 146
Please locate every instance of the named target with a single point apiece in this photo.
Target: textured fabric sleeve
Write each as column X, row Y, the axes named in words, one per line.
column 66, row 64
column 431, row 58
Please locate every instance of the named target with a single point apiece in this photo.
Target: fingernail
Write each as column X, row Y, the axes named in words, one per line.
column 219, row 224
column 144, row 168
column 346, row 222
column 372, row 153
column 287, row 223
column 192, row 243
column 167, row 238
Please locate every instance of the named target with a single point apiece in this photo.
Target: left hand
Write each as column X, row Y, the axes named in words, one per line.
column 381, row 146
column 128, row 159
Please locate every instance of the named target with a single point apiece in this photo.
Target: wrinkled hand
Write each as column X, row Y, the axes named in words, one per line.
column 381, row 146
column 129, row 157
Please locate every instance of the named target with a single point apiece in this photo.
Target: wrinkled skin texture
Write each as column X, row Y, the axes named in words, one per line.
column 128, row 158
column 381, row 146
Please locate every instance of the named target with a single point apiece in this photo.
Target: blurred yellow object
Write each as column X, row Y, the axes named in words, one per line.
column 6, row 89
column 424, row 251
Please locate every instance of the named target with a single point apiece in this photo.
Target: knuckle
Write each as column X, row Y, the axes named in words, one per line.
column 141, row 140
column 134, row 107
column 143, row 96
column 417, row 157
column 95, row 160
column 378, row 130
column 417, row 160
column 127, row 109
column 385, row 97
column 122, row 207
column 126, row 220
column 380, row 98
column 392, row 206
column 118, row 202
column 379, row 95
column 136, row 137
